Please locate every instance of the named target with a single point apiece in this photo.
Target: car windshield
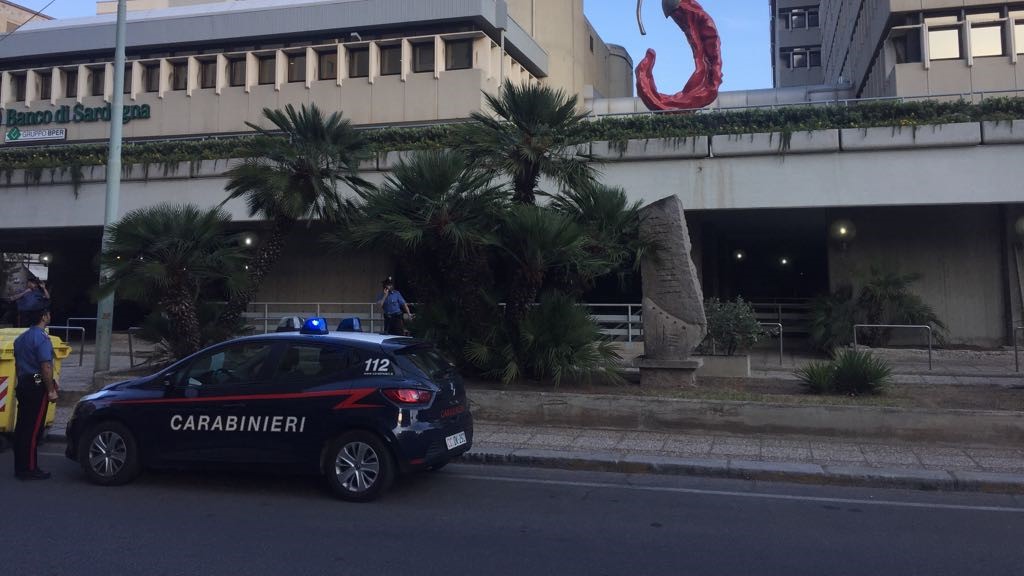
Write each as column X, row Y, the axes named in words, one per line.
column 427, row 359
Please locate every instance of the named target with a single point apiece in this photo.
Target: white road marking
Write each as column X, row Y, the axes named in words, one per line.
column 730, row 494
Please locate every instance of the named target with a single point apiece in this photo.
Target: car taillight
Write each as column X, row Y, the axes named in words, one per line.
column 409, row 395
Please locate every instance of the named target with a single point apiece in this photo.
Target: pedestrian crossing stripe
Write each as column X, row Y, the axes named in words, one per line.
column 3, row 393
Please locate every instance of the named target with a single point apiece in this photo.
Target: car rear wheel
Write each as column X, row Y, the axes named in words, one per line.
column 359, row 467
column 109, row 454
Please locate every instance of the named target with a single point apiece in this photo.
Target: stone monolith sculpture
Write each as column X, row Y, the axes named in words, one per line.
column 673, row 313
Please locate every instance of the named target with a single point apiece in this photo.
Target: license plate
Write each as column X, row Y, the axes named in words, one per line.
column 456, row 440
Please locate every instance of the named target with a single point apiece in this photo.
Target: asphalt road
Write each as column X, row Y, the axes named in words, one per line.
column 496, row 521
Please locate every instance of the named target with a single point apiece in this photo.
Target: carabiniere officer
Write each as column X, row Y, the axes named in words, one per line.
column 35, row 389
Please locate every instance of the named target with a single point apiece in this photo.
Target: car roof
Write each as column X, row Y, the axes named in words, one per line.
column 347, row 337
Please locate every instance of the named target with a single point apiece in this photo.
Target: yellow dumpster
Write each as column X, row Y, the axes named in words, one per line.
column 8, row 377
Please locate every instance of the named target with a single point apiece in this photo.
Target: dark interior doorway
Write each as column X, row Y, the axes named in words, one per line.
column 763, row 255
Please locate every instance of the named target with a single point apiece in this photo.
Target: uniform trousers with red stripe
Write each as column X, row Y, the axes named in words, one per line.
column 32, row 405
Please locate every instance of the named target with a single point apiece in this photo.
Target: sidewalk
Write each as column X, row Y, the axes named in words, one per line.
column 804, row 459
column 782, row 458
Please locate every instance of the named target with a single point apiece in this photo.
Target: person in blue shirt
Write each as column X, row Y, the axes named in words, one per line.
column 392, row 304
column 34, row 298
column 35, row 389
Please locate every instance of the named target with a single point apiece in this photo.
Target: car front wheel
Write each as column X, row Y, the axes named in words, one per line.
column 109, row 454
column 359, row 467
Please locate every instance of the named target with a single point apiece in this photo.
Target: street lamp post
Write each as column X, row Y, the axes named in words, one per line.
column 105, row 309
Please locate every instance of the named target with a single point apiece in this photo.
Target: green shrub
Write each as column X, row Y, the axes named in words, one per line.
column 858, row 372
column 884, row 298
column 817, row 377
column 556, row 340
column 732, row 327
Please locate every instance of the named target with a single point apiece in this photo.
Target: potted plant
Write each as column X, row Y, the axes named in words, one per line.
column 733, row 330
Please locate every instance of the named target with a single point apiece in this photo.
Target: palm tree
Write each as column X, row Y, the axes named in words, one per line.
column 292, row 173
column 526, row 138
column 535, row 241
column 437, row 216
column 612, row 224
column 165, row 256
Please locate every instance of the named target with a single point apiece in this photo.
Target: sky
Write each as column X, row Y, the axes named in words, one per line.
column 743, row 25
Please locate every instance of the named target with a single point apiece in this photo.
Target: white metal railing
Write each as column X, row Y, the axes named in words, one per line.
column 924, row 327
column 621, row 322
column 841, row 102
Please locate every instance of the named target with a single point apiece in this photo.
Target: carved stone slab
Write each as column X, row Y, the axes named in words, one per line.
column 673, row 314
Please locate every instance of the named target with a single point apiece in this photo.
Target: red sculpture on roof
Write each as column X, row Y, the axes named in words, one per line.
column 702, row 88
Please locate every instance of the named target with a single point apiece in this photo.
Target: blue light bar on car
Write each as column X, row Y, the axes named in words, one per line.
column 315, row 326
column 350, row 325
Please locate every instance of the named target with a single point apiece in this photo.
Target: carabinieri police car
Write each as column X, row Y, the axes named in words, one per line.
column 357, row 408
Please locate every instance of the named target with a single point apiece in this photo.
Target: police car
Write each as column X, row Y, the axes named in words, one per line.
column 357, row 408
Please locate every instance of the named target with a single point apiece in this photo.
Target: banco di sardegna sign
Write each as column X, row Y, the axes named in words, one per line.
column 71, row 115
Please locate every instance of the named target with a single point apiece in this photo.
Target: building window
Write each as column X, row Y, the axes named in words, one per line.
column 267, row 65
column 236, row 72
column 128, row 79
column 71, row 84
column 297, row 68
column 423, row 57
column 799, row 18
column 45, row 85
column 208, row 74
column 97, row 81
column 179, row 76
column 591, row 44
column 986, row 34
column 458, row 54
column 359, row 63
column 798, row 58
column 1018, row 29
column 390, row 60
column 18, row 83
column 328, row 65
column 944, row 41
column 151, row 73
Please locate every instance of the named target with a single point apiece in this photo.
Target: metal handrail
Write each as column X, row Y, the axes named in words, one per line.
column 782, row 354
column 264, row 313
column 910, row 326
column 131, row 345
column 832, row 102
column 1016, row 348
column 67, row 332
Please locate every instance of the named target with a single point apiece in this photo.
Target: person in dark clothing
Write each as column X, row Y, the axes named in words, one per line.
column 33, row 299
column 392, row 303
column 36, row 388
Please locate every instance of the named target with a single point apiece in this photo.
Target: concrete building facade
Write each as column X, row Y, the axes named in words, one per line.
column 796, row 43
column 210, row 68
column 923, row 47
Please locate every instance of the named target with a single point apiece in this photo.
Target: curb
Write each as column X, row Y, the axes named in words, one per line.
column 793, row 472
column 800, row 473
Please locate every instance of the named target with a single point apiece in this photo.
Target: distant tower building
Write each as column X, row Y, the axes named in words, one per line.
column 886, row 48
column 796, row 43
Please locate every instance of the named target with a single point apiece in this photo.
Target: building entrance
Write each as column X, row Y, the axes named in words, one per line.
column 762, row 256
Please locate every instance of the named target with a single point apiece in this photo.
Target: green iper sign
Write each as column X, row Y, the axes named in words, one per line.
column 68, row 115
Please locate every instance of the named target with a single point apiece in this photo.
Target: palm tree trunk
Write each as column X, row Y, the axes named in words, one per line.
column 180, row 307
column 266, row 256
column 522, row 294
column 526, row 186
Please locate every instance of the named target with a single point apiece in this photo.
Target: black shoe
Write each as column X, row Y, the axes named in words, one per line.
column 33, row 475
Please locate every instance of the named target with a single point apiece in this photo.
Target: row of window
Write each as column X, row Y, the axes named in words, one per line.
column 989, row 34
column 799, row 18
column 802, row 57
column 458, row 56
